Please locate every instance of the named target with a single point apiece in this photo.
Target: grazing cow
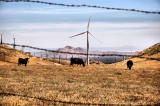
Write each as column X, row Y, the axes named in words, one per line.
column 78, row 61
column 23, row 61
column 129, row 64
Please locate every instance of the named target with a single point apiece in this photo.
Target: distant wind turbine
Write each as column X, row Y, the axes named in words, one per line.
column 87, row 39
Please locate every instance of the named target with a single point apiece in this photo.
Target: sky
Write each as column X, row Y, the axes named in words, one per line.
column 49, row 26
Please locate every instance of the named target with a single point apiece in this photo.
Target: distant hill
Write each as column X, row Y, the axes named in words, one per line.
column 72, row 49
column 82, row 50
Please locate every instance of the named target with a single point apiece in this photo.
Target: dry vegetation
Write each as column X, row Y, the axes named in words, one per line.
column 37, row 84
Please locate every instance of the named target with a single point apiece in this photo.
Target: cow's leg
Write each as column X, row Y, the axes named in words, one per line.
column 83, row 65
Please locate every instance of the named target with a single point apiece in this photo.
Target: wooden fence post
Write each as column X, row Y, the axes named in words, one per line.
column 14, row 43
column 1, row 39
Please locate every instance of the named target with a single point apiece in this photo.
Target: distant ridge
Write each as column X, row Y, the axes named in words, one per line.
column 72, row 49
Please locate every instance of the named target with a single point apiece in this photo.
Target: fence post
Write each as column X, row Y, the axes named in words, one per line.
column 98, row 60
column 22, row 48
column 41, row 55
column 124, row 57
column 14, row 43
column 46, row 54
column 54, row 56
column 66, row 56
column 1, row 39
column 59, row 58
column 34, row 54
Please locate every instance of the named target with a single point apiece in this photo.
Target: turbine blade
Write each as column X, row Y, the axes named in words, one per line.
column 88, row 24
column 95, row 37
column 78, row 34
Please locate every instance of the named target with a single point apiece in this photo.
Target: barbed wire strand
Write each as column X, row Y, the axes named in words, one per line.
column 56, row 51
column 84, row 5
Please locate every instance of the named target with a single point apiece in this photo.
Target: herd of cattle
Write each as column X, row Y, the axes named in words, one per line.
column 73, row 61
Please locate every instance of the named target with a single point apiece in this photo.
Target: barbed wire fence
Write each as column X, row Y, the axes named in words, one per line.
column 53, row 102
column 84, row 5
column 61, row 55
column 75, row 5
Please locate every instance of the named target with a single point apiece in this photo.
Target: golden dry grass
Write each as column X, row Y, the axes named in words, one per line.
column 96, row 83
column 109, row 84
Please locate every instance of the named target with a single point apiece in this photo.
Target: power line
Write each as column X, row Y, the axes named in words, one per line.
column 84, row 5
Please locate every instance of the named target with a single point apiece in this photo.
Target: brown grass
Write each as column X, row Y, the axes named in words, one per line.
column 44, row 82
column 108, row 84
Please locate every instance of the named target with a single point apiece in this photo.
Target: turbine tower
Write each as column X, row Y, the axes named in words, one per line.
column 88, row 33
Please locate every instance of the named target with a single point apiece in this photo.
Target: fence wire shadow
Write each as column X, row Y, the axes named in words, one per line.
column 64, row 103
column 44, row 100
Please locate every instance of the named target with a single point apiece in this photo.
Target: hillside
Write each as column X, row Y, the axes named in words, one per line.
column 152, row 52
column 9, row 55
column 96, row 84
column 147, row 58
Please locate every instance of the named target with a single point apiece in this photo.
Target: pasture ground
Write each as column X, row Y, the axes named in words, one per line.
column 100, row 84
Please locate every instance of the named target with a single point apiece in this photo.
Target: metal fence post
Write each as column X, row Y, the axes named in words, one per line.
column 1, row 39
column 59, row 58
column 66, row 56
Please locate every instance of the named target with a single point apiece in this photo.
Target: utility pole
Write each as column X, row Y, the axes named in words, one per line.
column 1, row 39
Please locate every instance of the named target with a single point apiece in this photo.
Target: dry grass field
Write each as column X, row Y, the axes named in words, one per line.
column 46, row 83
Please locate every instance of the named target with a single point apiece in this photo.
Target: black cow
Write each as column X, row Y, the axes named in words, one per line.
column 78, row 61
column 129, row 64
column 23, row 61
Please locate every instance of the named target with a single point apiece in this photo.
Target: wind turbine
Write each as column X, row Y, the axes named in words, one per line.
column 87, row 39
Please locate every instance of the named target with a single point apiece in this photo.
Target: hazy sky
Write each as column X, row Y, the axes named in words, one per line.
column 49, row 26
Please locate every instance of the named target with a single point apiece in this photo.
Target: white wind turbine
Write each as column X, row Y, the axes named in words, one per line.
column 87, row 39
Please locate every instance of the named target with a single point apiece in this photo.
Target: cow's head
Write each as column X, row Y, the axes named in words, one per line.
column 27, row 59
